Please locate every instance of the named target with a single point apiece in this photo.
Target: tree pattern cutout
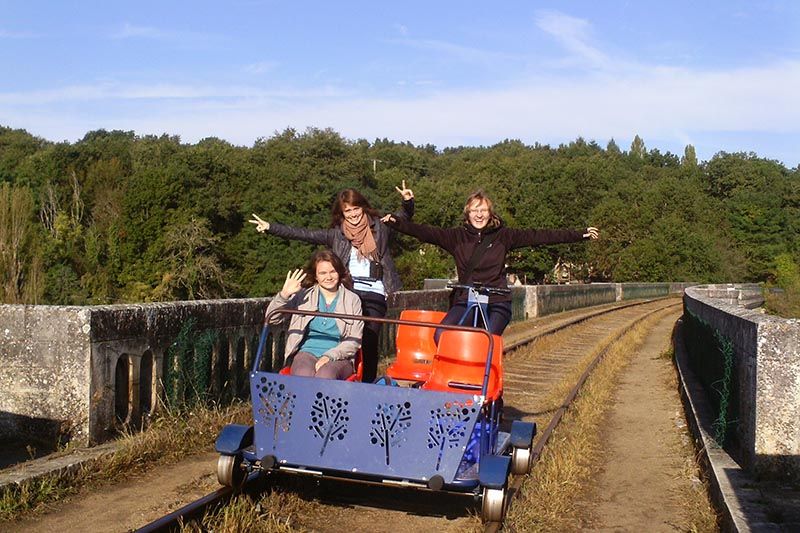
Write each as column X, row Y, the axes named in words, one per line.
column 388, row 426
column 277, row 407
column 329, row 419
column 447, row 427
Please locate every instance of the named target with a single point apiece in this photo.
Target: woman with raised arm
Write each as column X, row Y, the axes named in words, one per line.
column 322, row 347
column 479, row 248
column 359, row 239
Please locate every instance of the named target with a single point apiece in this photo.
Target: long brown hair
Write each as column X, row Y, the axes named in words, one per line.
column 480, row 196
column 326, row 255
column 352, row 197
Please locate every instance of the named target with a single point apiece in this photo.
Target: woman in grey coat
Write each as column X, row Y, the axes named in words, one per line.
column 322, row 347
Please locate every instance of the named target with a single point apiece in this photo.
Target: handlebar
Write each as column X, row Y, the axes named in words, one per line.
column 479, row 288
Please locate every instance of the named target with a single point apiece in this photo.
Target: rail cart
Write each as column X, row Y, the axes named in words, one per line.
column 443, row 434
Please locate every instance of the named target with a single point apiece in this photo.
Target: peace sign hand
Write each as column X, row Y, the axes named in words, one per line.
column 591, row 233
column 293, row 283
column 407, row 194
column 261, row 225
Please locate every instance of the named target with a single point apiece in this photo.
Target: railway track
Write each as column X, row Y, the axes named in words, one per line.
column 530, row 376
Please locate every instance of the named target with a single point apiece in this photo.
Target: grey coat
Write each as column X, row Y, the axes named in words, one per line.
column 334, row 239
column 308, row 300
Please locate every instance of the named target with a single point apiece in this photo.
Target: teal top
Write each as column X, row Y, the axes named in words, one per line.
column 323, row 334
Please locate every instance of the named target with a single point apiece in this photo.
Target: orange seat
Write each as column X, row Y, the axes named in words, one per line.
column 460, row 363
column 415, row 346
column 359, row 374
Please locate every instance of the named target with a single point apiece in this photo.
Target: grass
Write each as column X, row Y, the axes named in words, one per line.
column 244, row 513
column 785, row 304
column 173, row 435
column 553, row 498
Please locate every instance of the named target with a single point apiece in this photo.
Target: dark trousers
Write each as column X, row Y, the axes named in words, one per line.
column 499, row 315
column 372, row 304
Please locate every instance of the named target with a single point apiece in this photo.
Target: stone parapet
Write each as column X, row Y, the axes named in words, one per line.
column 766, row 357
column 80, row 372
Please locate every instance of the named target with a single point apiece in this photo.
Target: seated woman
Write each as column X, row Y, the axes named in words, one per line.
column 322, row 347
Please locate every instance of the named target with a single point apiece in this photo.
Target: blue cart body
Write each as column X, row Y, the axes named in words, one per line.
column 365, row 429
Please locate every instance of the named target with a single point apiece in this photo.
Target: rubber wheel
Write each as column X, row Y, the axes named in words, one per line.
column 493, row 507
column 521, row 459
column 229, row 471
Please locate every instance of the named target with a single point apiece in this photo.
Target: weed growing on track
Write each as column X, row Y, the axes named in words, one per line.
column 550, row 499
column 244, row 514
column 173, row 435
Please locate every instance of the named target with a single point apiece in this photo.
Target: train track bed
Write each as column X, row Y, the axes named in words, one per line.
column 536, row 374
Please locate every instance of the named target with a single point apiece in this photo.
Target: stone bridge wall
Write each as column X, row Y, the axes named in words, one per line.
column 766, row 374
column 81, row 372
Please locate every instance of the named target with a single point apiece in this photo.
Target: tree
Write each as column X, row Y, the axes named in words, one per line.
column 637, row 148
column 16, row 207
column 689, row 158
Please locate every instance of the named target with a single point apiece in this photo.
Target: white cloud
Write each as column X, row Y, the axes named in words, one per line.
column 466, row 54
column 260, row 67
column 573, row 34
column 192, row 38
column 5, row 34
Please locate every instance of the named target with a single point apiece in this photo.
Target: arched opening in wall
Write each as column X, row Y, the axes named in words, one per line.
column 241, row 369
column 146, row 384
column 121, row 392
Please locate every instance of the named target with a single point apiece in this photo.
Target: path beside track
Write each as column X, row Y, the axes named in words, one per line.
column 647, row 476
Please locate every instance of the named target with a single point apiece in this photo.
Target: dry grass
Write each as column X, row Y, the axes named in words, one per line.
column 785, row 304
column 550, row 500
column 699, row 514
column 172, row 436
column 283, row 507
column 244, row 514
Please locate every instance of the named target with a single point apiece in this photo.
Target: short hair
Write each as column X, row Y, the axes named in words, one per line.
column 480, row 196
column 326, row 255
column 352, row 197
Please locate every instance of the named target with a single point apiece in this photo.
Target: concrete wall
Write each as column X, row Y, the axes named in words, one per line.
column 80, row 372
column 767, row 359
column 45, row 371
column 69, row 372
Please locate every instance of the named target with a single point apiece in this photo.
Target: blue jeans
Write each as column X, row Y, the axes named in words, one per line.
column 499, row 315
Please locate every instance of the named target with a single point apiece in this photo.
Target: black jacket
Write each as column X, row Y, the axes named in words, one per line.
column 490, row 270
column 334, row 239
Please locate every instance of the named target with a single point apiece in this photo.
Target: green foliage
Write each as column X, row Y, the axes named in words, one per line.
column 117, row 217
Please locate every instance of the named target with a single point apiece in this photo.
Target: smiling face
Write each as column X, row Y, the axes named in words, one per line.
column 479, row 213
column 352, row 213
column 327, row 276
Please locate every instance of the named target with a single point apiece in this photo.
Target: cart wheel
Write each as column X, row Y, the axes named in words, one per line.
column 229, row 471
column 521, row 459
column 494, row 504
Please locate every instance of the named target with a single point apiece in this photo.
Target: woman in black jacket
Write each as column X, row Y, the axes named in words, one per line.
column 488, row 268
column 359, row 239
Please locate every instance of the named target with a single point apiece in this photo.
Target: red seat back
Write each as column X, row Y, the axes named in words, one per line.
column 415, row 346
column 460, row 363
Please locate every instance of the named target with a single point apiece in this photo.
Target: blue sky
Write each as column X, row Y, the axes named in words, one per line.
column 720, row 75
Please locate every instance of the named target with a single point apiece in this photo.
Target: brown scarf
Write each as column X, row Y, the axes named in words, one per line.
column 360, row 236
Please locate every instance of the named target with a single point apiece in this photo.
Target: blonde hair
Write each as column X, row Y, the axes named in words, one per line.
column 480, row 197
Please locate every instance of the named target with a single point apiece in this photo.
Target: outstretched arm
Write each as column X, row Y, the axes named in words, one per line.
column 533, row 237
column 314, row 236
column 439, row 236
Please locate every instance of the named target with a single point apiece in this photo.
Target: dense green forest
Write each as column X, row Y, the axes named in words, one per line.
column 118, row 217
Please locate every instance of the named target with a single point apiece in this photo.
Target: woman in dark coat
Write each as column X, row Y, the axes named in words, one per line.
column 488, row 269
column 359, row 239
